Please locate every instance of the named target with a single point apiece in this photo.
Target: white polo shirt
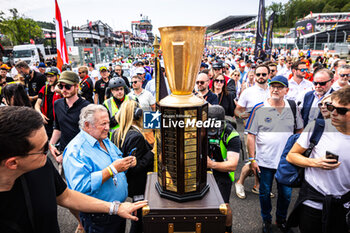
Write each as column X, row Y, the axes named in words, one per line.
column 145, row 99
column 296, row 89
column 328, row 182
column 272, row 130
column 252, row 96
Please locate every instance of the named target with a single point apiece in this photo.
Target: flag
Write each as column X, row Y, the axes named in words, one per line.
column 268, row 45
column 161, row 90
column 260, row 32
column 62, row 54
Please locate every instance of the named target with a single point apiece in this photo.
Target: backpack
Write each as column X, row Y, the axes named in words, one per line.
column 292, row 175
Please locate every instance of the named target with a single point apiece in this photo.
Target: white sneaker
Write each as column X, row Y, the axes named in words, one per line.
column 240, row 191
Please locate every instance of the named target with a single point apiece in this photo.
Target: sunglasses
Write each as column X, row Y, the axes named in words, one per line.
column 304, row 70
column 67, row 86
column 219, row 80
column 216, row 69
column 134, row 82
column 200, row 82
column 44, row 151
column 321, row 83
column 261, row 74
column 344, row 75
column 340, row 110
column 271, row 71
column 81, row 72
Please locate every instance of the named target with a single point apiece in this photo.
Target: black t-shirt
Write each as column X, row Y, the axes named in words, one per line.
column 67, row 119
column 211, row 98
column 87, row 88
column 36, row 83
column 44, row 185
column 9, row 79
column 49, row 97
column 100, row 90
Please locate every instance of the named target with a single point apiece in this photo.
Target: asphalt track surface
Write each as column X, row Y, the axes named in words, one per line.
column 246, row 213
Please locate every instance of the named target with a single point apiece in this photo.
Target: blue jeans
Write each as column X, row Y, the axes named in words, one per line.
column 102, row 223
column 283, row 197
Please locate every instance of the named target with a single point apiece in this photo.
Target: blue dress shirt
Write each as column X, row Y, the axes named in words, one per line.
column 83, row 162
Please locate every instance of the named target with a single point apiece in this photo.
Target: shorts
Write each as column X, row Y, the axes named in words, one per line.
column 225, row 190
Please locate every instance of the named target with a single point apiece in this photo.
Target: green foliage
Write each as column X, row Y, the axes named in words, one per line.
column 288, row 13
column 346, row 8
column 18, row 28
column 46, row 25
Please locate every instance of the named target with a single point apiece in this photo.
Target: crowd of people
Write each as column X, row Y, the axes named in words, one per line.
column 90, row 122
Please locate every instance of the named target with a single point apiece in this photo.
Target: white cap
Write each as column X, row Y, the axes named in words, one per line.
column 140, row 70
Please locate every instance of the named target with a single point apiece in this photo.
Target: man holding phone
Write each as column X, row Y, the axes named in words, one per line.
column 320, row 206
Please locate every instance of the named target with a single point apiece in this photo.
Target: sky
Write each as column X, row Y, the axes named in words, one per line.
column 119, row 13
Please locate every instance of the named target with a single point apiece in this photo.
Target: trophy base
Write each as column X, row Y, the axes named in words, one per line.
column 181, row 198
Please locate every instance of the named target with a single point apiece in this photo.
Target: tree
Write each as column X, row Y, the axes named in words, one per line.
column 18, row 28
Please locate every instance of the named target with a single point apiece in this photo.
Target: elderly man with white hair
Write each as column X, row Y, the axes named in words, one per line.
column 94, row 166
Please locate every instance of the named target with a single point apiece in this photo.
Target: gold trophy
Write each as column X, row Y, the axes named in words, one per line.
column 182, row 165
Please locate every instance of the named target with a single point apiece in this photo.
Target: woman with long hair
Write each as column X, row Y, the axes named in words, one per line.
column 225, row 98
column 15, row 95
column 130, row 140
column 235, row 76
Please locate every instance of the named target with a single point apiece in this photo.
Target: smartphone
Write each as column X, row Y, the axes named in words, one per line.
column 330, row 155
column 132, row 152
column 259, row 175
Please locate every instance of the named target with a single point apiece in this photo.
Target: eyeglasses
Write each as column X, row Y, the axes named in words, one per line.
column 134, row 82
column 340, row 110
column 216, row 69
column 200, row 82
column 67, row 86
column 118, row 70
column 344, row 75
column 321, row 83
column 261, row 74
column 277, row 87
column 219, row 80
column 303, row 70
column 44, row 151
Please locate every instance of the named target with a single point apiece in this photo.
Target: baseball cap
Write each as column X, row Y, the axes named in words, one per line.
column 4, row 67
column 140, row 70
column 103, row 68
column 279, row 79
column 69, row 77
column 204, row 65
column 41, row 65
